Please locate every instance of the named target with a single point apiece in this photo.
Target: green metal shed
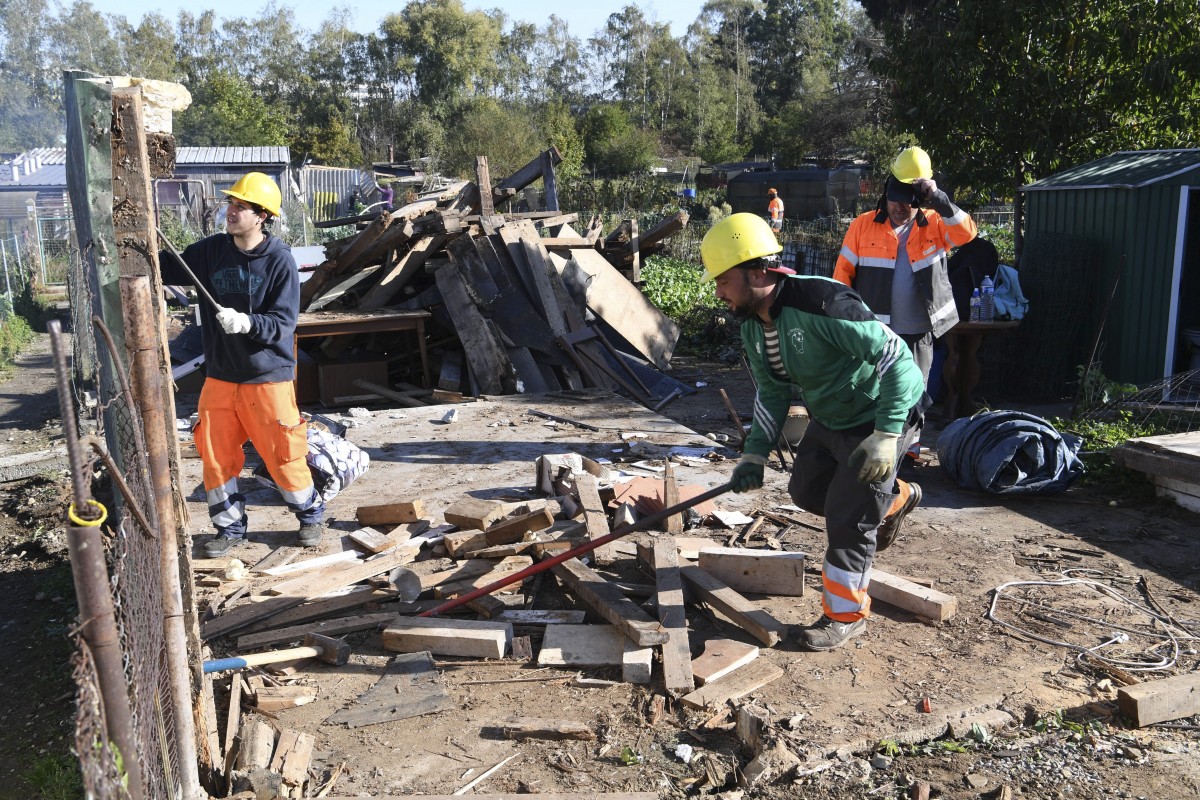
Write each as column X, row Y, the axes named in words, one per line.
column 1139, row 214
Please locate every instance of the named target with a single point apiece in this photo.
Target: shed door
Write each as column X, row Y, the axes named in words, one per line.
column 1185, row 333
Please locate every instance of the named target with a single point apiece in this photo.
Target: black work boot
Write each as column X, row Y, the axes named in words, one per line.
column 828, row 634
column 220, row 544
column 889, row 529
column 311, row 533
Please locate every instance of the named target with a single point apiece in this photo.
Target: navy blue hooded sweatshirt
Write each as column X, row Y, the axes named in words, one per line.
column 262, row 283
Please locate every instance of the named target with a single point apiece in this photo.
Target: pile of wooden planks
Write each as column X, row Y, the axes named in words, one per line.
column 520, row 302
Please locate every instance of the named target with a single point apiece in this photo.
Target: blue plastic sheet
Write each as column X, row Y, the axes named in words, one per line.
column 1009, row 452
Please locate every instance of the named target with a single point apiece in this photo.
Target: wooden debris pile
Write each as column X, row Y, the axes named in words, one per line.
column 402, row 562
column 520, row 302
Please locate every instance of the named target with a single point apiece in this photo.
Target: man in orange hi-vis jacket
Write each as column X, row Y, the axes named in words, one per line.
column 775, row 211
column 248, row 392
column 896, row 257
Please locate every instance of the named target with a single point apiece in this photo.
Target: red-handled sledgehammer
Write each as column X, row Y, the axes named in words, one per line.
column 586, row 547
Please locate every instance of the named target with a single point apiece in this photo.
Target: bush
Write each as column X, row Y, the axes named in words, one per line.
column 15, row 333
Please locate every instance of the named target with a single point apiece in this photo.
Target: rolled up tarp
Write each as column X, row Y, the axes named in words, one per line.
column 1009, row 452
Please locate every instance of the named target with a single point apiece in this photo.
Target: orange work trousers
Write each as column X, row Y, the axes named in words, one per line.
column 267, row 416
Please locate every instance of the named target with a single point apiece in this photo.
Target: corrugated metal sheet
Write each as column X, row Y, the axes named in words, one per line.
column 48, row 177
column 330, row 192
column 1127, row 170
column 1139, row 228
column 232, row 155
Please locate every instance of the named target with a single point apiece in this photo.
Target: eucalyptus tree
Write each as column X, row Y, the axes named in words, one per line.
column 30, row 83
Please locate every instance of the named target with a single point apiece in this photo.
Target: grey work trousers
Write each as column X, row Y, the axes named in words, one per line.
column 824, row 483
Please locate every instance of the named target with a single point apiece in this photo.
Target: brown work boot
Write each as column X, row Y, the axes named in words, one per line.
column 889, row 530
column 828, row 633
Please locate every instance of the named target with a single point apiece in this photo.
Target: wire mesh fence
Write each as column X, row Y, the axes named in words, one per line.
column 135, row 579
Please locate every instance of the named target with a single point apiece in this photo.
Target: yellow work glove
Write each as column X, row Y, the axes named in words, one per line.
column 875, row 456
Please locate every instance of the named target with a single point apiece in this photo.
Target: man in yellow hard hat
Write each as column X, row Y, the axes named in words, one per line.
column 812, row 339
column 775, row 210
column 896, row 256
column 249, row 363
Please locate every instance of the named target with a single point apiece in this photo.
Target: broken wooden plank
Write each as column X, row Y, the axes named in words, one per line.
column 1161, row 700
column 450, row 637
column 401, row 272
column 676, row 653
column 620, row 304
column 319, row 562
column 349, row 257
column 232, row 721
column 522, row 616
column 507, row 531
column 552, row 729
column 721, row 657
column 471, row 513
column 736, row 684
column 391, row 513
column 277, row 698
column 293, row 754
column 594, row 517
column 329, row 627
column 668, row 227
column 759, row 571
column 339, row 575
column 595, row 646
column 256, row 744
column 674, row 524
column 410, row 687
column 609, row 602
column 747, row 616
column 353, row 597
column 920, row 600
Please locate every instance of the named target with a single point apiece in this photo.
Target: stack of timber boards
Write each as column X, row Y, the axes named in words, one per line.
column 513, row 289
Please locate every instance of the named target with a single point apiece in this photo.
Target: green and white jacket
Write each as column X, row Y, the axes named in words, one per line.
column 848, row 368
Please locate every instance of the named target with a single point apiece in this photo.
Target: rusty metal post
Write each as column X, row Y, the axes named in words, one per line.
column 89, row 569
column 141, row 340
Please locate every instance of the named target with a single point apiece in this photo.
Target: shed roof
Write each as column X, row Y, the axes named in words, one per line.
column 49, row 163
column 1128, row 169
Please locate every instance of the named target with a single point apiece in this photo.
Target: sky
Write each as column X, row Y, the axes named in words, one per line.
column 583, row 18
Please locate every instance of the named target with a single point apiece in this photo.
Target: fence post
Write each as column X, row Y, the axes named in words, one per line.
column 98, row 624
column 7, row 284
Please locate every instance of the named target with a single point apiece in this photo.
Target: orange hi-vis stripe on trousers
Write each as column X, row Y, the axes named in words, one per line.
column 844, row 594
column 266, row 414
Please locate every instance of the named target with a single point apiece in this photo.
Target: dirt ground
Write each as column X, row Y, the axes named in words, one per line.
column 829, row 712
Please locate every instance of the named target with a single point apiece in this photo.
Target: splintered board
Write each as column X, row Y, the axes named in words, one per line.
column 410, row 687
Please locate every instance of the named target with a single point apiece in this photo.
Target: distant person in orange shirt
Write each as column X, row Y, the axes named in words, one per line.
column 775, row 211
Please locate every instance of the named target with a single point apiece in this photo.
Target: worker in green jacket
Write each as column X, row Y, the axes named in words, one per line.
column 813, row 339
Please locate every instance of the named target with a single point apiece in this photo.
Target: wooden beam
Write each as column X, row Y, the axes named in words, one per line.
column 449, row 637
column 483, row 177
column 481, row 340
column 526, row 174
column 758, row 571
column 676, row 652
column 668, row 227
column 747, row 616
column 553, row 729
column 674, row 524
column 736, row 684
column 721, row 657
column 1161, row 700
column 594, row 516
column 920, row 600
column 329, row 627
column 609, row 602
column 595, row 646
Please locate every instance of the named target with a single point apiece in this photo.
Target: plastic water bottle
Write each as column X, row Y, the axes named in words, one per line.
column 987, row 300
column 975, row 305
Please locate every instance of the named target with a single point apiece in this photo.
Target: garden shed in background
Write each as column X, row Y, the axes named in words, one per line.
column 1131, row 221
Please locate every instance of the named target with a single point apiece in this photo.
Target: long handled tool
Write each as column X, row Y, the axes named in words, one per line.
column 330, row 650
column 586, row 547
column 196, row 281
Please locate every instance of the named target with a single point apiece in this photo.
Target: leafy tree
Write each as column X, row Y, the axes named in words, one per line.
column 1004, row 98
column 148, row 51
column 612, row 144
column 558, row 130
column 721, row 33
column 227, row 111
column 487, row 127
column 449, row 52
column 29, row 86
column 557, row 65
column 82, row 39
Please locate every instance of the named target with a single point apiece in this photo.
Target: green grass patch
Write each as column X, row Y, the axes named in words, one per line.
column 15, row 333
column 56, row 778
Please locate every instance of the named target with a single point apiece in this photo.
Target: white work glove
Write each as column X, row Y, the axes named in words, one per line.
column 233, row 321
column 875, row 456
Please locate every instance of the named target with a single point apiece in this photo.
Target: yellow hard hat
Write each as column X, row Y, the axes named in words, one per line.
column 911, row 164
column 258, row 189
column 735, row 240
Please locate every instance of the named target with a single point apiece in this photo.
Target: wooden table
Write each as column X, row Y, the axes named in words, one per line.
column 337, row 323
column 960, row 372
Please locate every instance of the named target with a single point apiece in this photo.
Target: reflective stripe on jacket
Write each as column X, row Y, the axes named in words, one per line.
column 867, row 261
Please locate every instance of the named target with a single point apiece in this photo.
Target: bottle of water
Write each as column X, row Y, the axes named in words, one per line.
column 987, row 300
column 975, row 305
